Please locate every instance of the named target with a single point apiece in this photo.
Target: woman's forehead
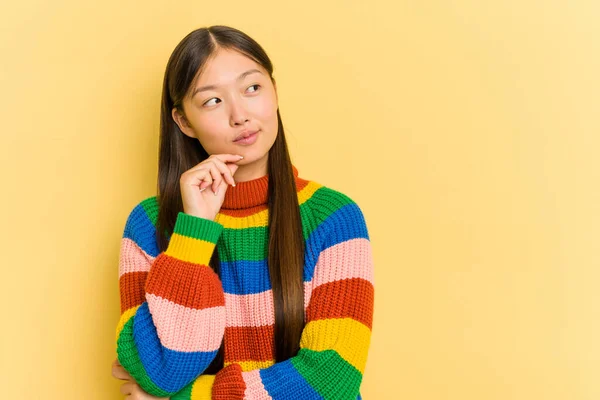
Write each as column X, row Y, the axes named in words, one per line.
column 226, row 66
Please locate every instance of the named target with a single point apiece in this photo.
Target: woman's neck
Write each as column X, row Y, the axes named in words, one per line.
column 252, row 193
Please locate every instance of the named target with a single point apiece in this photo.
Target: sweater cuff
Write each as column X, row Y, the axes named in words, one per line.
column 229, row 384
column 194, row 239
column 202, row 388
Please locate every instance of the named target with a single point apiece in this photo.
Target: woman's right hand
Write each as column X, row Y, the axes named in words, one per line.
column 217, row 172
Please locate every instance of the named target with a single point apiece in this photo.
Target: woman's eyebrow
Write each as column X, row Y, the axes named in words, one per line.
column 239, row 78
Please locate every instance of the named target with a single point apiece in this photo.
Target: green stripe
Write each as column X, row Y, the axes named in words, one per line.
column 128, row 357
column 197, row 228
column 343, row 380
column 185, row 393
column 244, row 244
column 150, row 206
column 321, row 205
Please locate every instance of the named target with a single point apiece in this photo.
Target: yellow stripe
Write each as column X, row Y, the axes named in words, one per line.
column 347, row 336
column 125, row 318
column 202, row 387
column 189, row 249
column 259, row 219
column 306, row 193
column 250, row 365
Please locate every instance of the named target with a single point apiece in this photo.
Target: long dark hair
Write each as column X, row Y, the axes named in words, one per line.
column 178, row 153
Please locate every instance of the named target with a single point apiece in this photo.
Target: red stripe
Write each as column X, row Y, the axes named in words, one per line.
column 131, row 287
column 249, row 343
column 188, row 284
column 229, row 384
column 353, row 298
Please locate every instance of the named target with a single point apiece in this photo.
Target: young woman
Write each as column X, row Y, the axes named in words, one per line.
column 240, row 279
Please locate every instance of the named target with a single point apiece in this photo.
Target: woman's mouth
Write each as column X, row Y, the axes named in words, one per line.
column 248, row 140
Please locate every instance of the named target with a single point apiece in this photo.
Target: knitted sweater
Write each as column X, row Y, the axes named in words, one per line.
column 175, row 311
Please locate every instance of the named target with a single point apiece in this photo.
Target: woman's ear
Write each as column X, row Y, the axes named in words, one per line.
column 182, row 123
column 276, row 96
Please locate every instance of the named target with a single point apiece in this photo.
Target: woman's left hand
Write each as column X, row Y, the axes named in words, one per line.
column 131, row 389
column 119, row 372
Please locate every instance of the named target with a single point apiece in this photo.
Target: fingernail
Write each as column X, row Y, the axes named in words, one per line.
column 240, row 156
column 233, row 184
column 202, row 189
column 217, row 191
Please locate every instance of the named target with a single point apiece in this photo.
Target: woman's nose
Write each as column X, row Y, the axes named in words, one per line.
column 239, row 114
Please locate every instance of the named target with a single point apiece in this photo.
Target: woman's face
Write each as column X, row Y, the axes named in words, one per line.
column 233, row 94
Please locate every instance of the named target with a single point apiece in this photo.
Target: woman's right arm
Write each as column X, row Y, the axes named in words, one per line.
column 169, row 331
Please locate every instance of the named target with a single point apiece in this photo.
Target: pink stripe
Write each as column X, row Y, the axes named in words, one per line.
column 255, row 309
column 132, row 258
column 349, row 259
column 254, row 386
column 186, row 329
column 250, row 309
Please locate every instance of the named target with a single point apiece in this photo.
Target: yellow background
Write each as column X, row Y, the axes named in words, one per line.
column 466, row 131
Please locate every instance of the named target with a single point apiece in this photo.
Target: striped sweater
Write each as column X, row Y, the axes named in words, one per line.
column 175, row 311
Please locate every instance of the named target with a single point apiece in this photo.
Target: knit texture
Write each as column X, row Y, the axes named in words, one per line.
column 175, row 311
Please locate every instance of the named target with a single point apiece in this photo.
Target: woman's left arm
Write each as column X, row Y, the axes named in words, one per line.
column 336, row 338
column 199, row 389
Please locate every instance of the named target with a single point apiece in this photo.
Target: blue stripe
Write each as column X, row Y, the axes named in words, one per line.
column 245, row 277
column 140, row 229
column 282, row 381
column 345, row 223
column 169, row 369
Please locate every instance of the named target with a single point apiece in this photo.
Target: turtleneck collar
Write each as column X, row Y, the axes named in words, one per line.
column 250, row 193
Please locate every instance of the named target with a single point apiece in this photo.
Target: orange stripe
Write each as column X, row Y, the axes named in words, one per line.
column 131, row 287
column 331, row 301
column 188, row 284
column 243, row 343
column 229, row 383
column 242, row 213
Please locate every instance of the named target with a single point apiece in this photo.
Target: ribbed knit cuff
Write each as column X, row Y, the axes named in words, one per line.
column 229, row 384
column 194, row 239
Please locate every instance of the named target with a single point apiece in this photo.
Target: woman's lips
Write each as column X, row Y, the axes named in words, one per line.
column 248, row 140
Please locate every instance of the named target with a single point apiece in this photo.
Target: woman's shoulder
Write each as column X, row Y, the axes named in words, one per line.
column 140, row 226
column 146, row 209
column 324, row 197
column 334, row 215
column 330, row 206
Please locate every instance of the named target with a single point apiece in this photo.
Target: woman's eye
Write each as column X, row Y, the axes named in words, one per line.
column 214, row 98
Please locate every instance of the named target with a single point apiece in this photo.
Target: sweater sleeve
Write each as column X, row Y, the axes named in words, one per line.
column 172, row 303
column 336, row 337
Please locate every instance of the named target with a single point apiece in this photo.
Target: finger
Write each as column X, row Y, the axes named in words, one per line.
column 233, row 168
column 121, row 373
column 127, row 388
column 226, row 172
column 217, row 177
column 204, row 185
column 227, row 157
column 208, row 173
column 197, row 175
column 232, row 158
